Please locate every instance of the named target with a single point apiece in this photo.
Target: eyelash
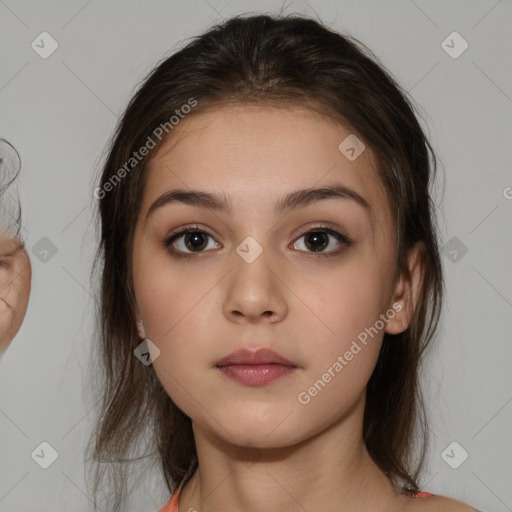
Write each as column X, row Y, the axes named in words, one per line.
column 343, row 239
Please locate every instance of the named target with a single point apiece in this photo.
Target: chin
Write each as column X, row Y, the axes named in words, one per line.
column 262, row 440
column 275, row 431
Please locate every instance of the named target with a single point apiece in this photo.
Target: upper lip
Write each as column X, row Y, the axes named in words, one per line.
column 260, row 356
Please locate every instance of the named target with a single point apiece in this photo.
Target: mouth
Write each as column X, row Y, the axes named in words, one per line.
column 261, row 356
column 256, row 374
column 255, row 368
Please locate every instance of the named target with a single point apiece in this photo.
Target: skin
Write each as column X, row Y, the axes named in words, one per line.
column 15, row 279
column 308, row 309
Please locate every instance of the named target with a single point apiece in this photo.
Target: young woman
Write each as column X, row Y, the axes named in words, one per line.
column 270, row 277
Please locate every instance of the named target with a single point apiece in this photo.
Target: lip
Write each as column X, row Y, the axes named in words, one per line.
column 255, row 368
column 256, row 374
column 262, row 356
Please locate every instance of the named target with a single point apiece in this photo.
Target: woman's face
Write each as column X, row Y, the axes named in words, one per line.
column 15, row 277
column 253, row 277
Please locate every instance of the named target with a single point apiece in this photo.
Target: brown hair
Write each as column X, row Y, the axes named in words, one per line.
column 271, row 61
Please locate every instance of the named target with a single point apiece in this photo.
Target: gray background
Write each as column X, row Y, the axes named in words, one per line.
column 59, row 113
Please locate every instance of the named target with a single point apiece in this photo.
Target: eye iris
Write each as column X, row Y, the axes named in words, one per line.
column 319, row 238
column 195, row 238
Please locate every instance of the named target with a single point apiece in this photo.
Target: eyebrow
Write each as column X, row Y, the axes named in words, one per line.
column 291, row 201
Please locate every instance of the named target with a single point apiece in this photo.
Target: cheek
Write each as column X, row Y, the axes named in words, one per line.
column 170, row 298
column 341, row 333
column 7, row 324
column 341, row 303
column 342, row 363
column 163, row 293
column 174, row 302
column 14, row 296
column 6, row 317
column 21, row 285
column 186, row 347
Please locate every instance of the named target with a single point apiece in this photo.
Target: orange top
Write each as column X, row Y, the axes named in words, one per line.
column 419, row 494
column 172, row 504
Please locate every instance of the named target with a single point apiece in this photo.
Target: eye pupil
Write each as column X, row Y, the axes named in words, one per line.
column 320, row 240
column 196, row 238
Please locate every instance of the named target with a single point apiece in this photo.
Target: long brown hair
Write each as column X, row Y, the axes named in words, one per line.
column 269, row 60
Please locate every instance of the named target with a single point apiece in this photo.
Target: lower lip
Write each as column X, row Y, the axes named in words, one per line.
column 256, row 374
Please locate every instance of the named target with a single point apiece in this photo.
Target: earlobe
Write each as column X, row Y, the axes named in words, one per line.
column 140, row 326
column 407, row 291
column 140, row 330
column 138, row 321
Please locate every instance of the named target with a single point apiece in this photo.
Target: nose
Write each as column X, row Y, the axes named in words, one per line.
column 255, row 292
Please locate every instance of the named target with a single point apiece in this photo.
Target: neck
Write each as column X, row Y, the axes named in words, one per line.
column 332, row 466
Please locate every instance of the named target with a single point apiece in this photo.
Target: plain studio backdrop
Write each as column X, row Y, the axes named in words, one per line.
column 60, row 101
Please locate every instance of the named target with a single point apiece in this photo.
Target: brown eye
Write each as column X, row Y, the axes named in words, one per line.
column 195, row 241
column 187, row 242
column 316, row 241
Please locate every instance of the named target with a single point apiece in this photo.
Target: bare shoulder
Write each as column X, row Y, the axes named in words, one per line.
column 438, row 503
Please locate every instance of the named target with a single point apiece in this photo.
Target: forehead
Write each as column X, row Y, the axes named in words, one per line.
column 253, row 154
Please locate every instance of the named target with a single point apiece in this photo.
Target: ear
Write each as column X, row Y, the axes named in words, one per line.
column 140, row 325
column 407, row 291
